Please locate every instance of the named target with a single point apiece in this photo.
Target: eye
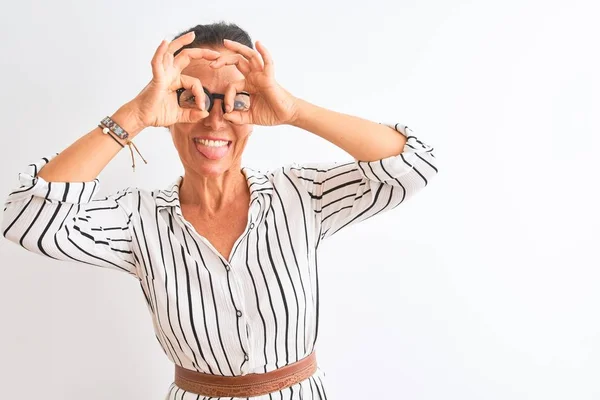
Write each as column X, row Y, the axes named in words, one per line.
column 187, row 99
column 241, row 102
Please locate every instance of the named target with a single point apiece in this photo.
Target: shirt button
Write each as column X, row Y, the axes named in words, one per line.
column 252, row 225
column 239, row 313
column 246, row 357
column 227, row 267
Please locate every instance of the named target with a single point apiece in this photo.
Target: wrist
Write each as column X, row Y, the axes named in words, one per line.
column 301, row 114
column 128, row 119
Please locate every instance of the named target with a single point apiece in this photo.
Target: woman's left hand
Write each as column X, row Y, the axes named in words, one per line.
column 270, row 104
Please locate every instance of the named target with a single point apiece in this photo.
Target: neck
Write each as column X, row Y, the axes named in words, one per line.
column 213, row 194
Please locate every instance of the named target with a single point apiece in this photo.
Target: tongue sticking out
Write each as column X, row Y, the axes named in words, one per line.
column 212, row 152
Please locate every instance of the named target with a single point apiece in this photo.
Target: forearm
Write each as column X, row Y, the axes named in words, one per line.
column 83, row 160
column 363, row 139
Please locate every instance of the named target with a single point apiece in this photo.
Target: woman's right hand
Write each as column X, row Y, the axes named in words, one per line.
column 156, row 105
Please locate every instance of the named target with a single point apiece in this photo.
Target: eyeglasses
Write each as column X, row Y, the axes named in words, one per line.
column 186, row 99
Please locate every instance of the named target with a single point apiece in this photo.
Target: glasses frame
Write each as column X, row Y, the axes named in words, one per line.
column 212, row 97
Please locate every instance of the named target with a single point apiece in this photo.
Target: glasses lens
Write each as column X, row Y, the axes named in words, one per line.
column 241, row 102
column 188, row 100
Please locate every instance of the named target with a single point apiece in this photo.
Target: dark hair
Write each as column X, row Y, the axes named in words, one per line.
column 212, row 35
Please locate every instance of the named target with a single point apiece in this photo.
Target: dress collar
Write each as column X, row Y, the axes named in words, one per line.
column 258, row 183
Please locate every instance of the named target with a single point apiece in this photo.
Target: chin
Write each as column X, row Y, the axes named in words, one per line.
column 211, row 167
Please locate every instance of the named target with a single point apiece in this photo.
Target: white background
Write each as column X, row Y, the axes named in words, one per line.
column 484, row 286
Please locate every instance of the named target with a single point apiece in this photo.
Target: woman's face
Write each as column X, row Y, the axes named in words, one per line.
column 198, row 156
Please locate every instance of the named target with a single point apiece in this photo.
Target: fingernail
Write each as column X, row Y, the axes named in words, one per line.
column 228, row 108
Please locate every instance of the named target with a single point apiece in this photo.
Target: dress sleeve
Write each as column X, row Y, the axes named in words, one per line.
column 345, row 193
column 63, row 221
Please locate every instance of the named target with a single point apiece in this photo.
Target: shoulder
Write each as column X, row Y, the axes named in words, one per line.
column 276, row 176
column 134, row 198
column 293, row 169
column 124, row 197
column 311, row 171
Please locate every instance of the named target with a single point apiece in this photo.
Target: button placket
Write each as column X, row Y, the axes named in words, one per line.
column 238, row 302
column 253, row 216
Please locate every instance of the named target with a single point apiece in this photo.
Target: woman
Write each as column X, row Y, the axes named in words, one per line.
column 226, row 256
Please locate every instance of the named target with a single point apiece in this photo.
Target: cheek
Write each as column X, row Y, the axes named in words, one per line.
column 242, row 133
column 179, row 140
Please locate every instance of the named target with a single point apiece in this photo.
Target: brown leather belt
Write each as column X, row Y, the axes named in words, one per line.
column 248, row 385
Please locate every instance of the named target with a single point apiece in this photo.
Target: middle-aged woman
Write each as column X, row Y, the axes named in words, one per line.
column 226, row 256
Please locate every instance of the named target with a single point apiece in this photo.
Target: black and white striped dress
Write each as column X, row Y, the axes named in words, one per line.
column 254, row 312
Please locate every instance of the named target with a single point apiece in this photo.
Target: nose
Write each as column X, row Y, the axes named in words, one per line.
column 215, row 118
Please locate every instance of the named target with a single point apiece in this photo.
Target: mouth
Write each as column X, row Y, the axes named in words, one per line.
column 212, row 148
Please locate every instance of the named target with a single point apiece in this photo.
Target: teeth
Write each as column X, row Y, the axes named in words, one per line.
column 211, row 143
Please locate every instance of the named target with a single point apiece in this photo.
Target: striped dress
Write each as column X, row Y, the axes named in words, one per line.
column 253, row 312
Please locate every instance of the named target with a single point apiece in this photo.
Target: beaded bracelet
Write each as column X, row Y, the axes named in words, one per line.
column 110, row 127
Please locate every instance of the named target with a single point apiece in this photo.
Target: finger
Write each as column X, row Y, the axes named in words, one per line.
column 181, row 41
column 241, row 63
column 238, row 117
column 252, row 55
column 189, row 82
column 184, row 58
column 176, row 45
column 266, row 56
column 232, row 89
column 156, row 63
column 167, row 60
